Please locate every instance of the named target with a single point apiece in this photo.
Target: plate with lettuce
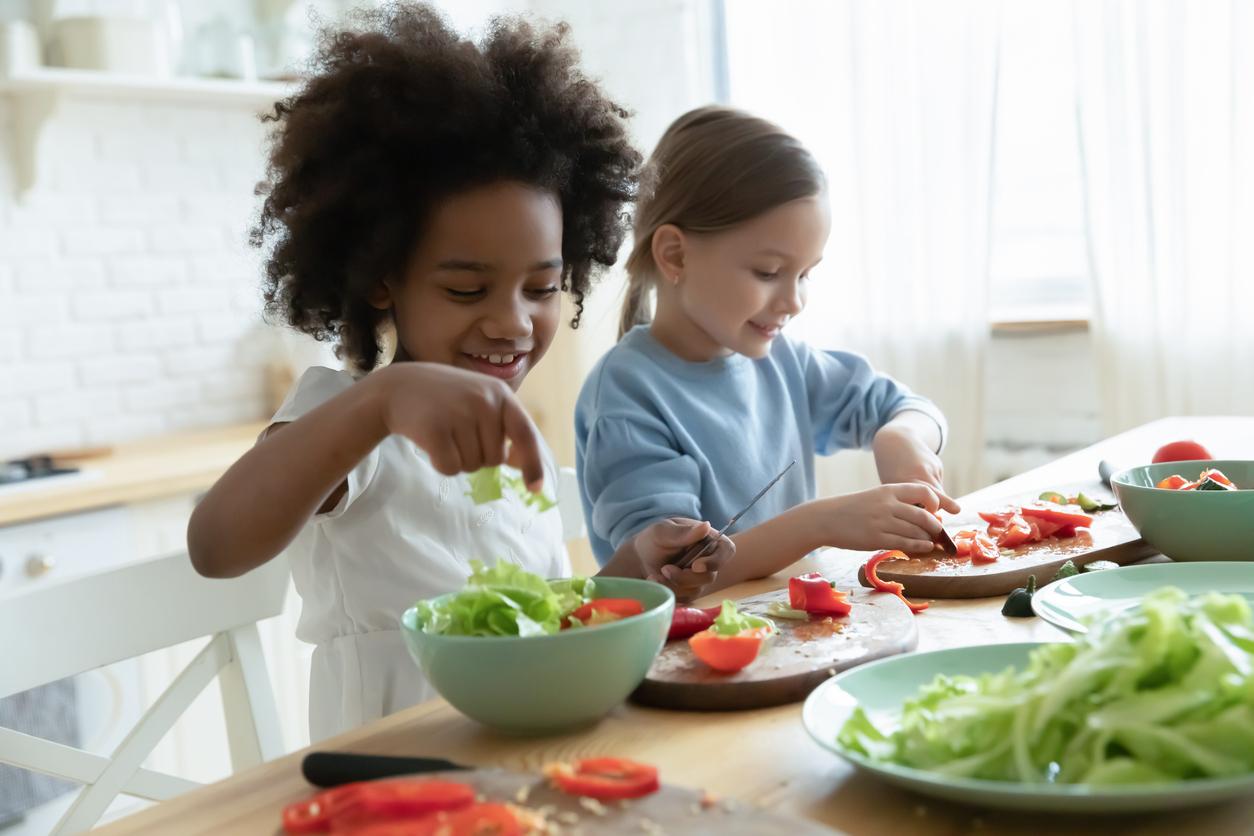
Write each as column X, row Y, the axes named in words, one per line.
column 1152, row 708
column 1069, row 603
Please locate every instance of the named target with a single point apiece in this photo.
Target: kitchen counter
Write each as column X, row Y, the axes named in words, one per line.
column 181, row 463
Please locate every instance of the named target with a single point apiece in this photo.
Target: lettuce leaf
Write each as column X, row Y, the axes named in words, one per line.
column 1157, row 693
column 505, row 600
column 489, row 484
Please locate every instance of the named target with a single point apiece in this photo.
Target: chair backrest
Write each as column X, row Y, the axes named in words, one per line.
column 83, row 623
column 569, row 505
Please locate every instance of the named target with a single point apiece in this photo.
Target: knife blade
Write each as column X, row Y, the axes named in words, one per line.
column 710, row 542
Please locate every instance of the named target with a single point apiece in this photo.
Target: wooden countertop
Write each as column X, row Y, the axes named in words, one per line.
column 149, row 469
column 762, row 756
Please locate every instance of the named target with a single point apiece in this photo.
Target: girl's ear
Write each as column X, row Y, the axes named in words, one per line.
column 380, row 297
column 668, row 252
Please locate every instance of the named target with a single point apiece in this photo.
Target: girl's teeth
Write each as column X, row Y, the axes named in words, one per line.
column 498, row 359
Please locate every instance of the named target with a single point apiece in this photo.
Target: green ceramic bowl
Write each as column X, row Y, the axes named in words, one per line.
column 1191, row 525
column 546, row 684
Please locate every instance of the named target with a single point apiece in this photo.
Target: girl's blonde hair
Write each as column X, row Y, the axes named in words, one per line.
column 715, row 167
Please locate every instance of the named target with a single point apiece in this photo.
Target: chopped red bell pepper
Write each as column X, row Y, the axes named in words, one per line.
column 892, row 587
column 1062, row 514
column 983, row 549
column 1018, row 531
column 816, row 595
column 728, row 654
column 605, row 779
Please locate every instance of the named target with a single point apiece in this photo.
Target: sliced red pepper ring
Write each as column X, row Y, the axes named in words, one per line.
column 605, row 779
column 728, row 654
column 892, row 587
column 816, row 595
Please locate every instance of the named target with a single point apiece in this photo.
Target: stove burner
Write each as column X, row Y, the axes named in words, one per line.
column 34, row 467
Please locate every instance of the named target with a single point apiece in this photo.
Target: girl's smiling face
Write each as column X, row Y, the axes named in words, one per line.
column 732, row 291
column 482, row 290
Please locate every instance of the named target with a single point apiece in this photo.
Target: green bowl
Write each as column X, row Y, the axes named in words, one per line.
column 546, row 684
column 1191, row 525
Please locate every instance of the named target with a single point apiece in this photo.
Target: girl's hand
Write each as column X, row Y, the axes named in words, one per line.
column 661, row 543
column 898, row 516
column 902, row 456
column 463, row 420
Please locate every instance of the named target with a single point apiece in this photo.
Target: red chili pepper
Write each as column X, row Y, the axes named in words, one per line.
column 688, row 621
column 892, row 587
column 817, row 595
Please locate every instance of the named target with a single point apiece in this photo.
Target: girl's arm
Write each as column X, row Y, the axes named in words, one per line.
column 259, row 505
column 897, row 516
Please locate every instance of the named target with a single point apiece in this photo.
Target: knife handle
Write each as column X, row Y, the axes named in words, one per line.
column 330, row 769
column 706, row 545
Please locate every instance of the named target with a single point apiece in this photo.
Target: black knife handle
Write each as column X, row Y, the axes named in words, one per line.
column 330, row 769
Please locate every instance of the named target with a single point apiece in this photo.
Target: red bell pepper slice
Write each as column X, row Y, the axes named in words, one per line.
column 816, row 595
column 891, row 587
column 729, row 654
column 367, row 801
column 605, row 779
column 1217, row 475
column 1063, row 514
column 604, row 610
column 688, row 621
column 999, row 518
column 482, row 819
column 1174, row 482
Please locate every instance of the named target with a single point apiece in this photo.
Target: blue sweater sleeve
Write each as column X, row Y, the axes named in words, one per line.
column 849, row 401
column 633, row 476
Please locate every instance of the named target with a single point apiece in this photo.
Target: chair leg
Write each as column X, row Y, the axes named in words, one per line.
column 252, row 719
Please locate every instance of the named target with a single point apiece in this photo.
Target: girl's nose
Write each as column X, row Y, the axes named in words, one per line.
column 508, row 321
column 791, row 299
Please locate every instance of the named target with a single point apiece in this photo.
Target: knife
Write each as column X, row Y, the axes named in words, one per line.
column 707, row 545
column 330, row 769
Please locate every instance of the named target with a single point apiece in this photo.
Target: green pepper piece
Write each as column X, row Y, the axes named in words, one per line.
column 1209, row 484
column 1019, row 602
column 1066, row 570
column 1054, row 497
column 1089, row 505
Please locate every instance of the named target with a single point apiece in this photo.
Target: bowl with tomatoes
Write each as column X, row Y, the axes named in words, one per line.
column 549, row 683
column 1201, row 509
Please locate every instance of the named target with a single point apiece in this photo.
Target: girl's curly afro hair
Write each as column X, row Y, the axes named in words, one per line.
column 398, row 113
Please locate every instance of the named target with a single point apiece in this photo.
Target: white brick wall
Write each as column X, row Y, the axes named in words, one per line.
column 129, row 299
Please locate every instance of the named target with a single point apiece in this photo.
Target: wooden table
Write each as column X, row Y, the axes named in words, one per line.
column 760, row 756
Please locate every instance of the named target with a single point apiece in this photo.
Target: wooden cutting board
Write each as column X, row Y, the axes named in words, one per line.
column 937, row 575
column 670, row 810
column 796, row 661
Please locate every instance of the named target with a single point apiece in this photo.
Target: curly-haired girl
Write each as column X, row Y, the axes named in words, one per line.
column 448, row 191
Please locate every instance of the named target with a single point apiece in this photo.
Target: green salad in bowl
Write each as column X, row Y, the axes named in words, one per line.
column 527, row 655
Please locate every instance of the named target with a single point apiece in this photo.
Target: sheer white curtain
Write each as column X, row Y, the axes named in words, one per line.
column 1166, row 118
column 897, row 99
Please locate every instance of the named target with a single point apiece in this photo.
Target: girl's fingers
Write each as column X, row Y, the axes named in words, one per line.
column 909, row 545
column 916, row 493
column 948, row 503
column 468, row 447
column 492, row 439
column 920, row 519
column 444, row 455
column 921, row 539
column 524, row 450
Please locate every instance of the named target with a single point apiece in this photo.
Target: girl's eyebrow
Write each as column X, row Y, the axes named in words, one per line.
column 481, row 267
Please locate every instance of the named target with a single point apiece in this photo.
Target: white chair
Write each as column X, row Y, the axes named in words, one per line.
column 86, row 622
column 569, row 505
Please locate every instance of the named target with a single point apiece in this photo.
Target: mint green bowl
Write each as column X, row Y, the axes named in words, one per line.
column 1191, row 525
column 546, row 684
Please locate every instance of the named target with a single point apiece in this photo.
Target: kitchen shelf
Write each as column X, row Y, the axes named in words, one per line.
column 37, row 93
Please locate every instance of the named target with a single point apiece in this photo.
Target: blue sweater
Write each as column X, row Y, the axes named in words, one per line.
column 659, row 436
